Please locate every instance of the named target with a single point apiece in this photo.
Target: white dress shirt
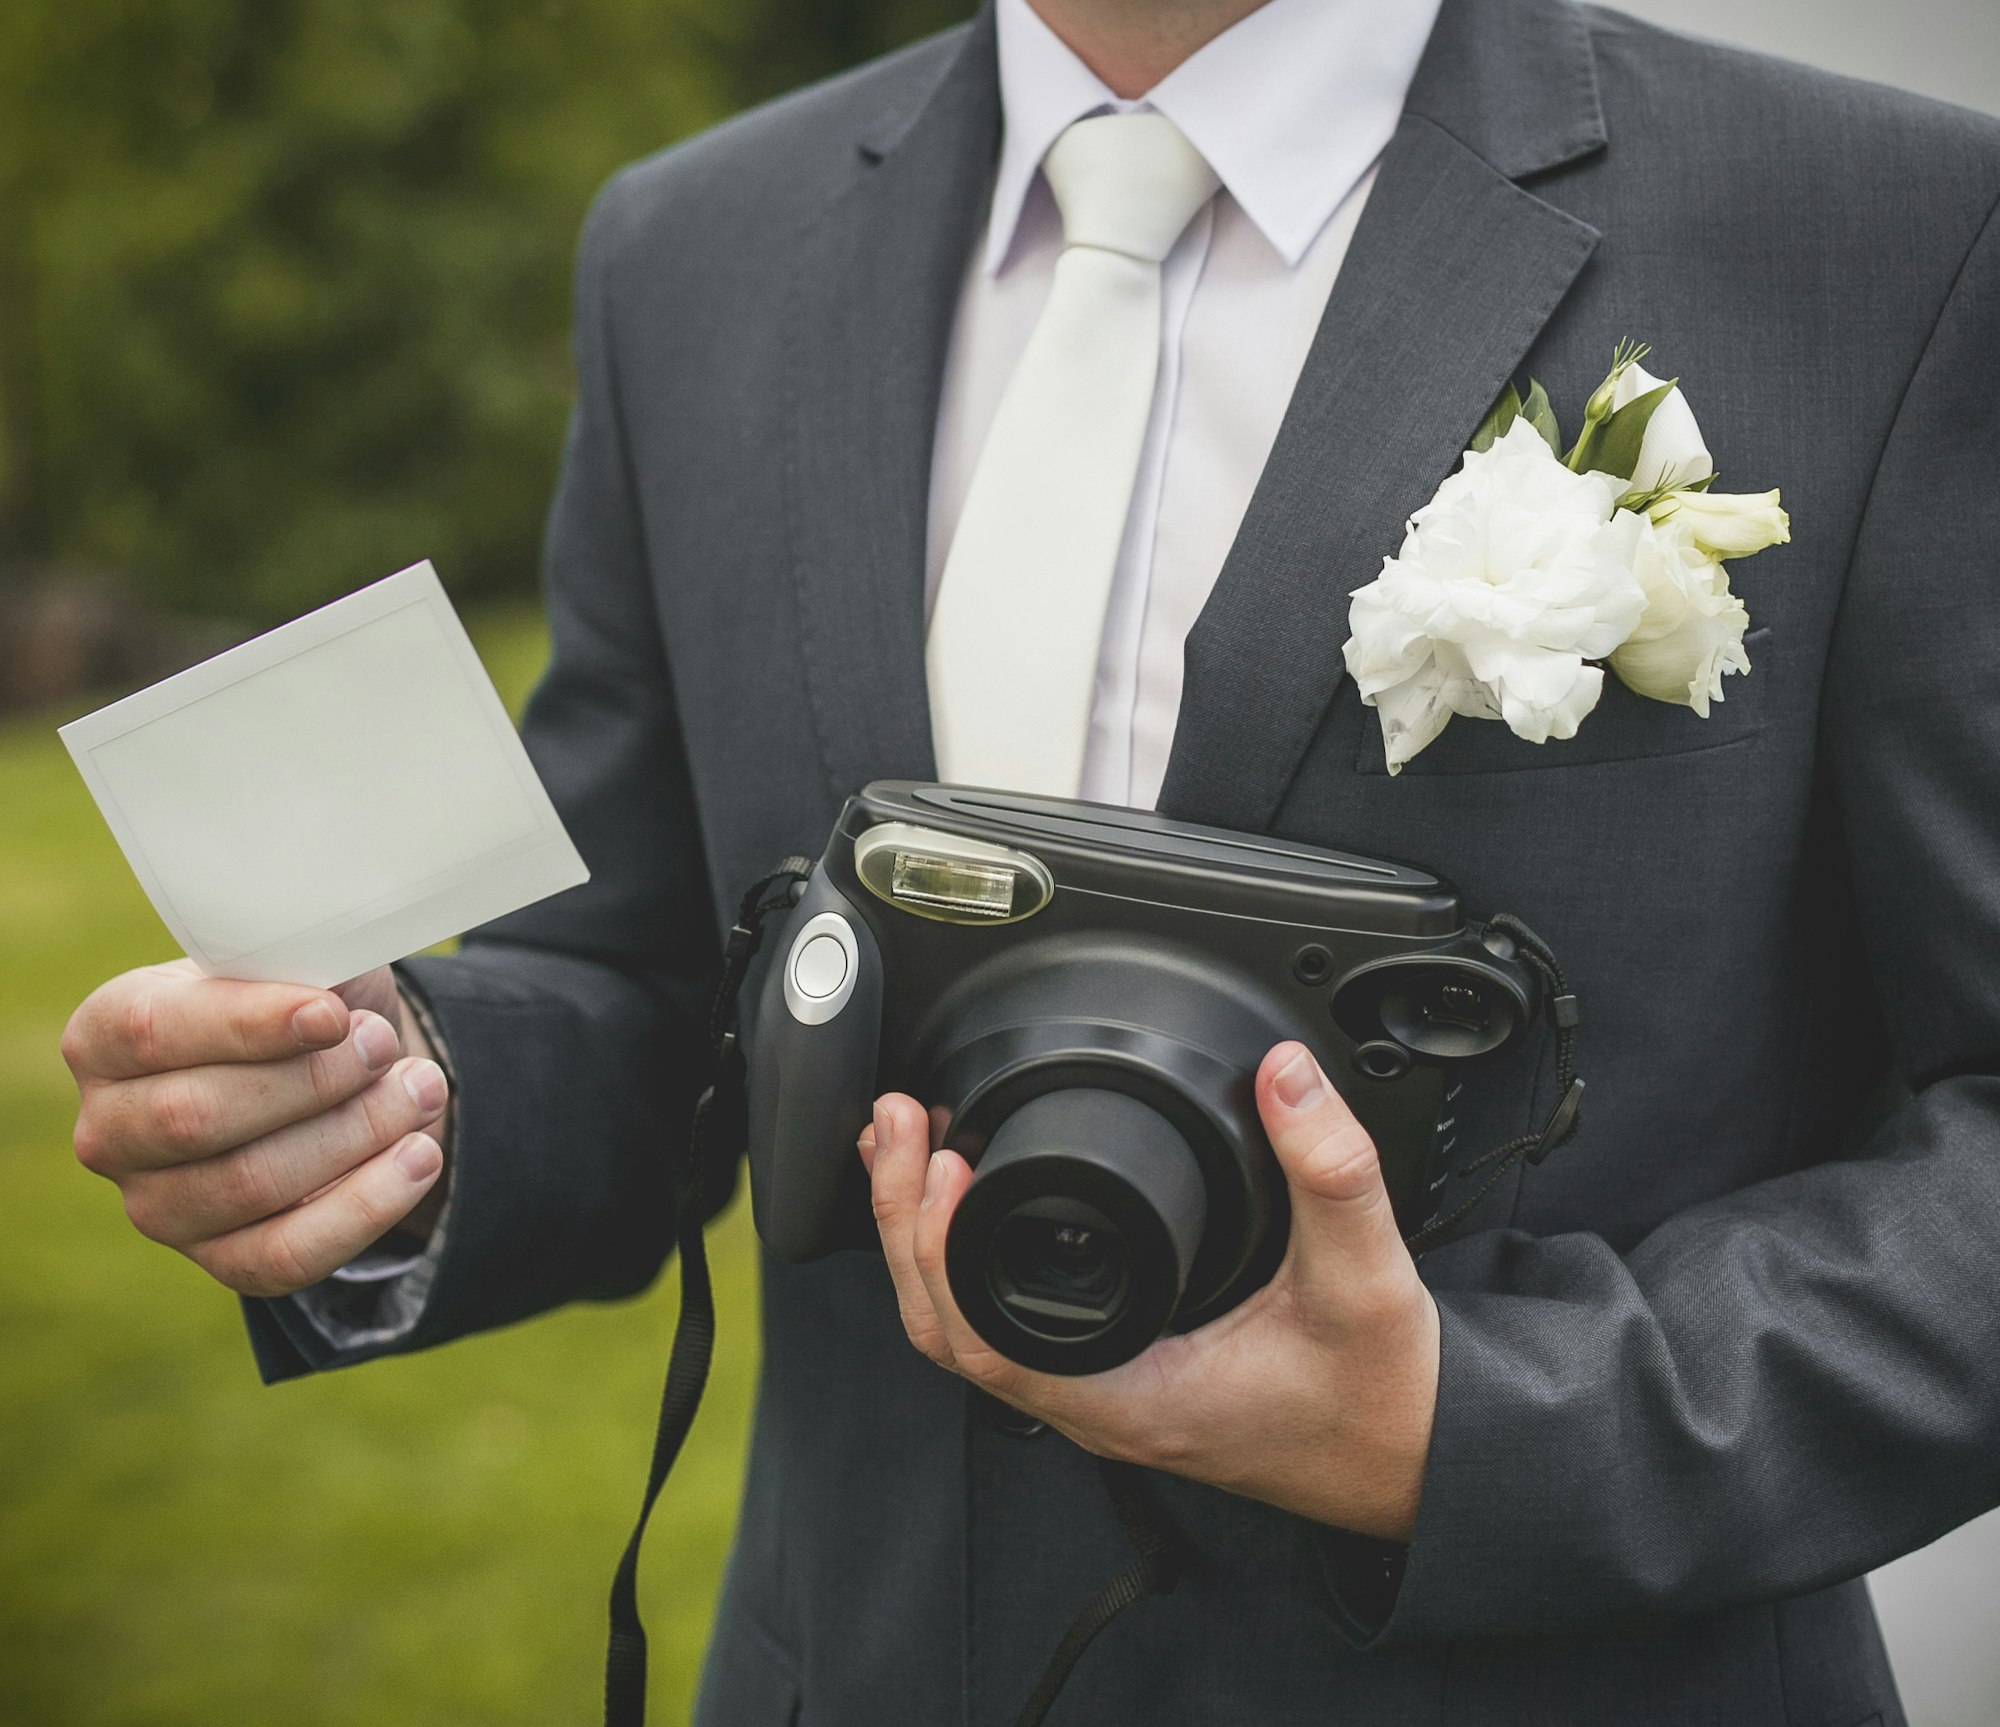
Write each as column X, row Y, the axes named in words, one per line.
column 1292, row 107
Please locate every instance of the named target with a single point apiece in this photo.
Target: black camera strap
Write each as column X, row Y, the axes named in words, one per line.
column 1163, row 1556
column 694, row 1327
column 1162, row 1552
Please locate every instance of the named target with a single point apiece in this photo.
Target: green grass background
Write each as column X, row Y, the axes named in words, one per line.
column 427, row 1540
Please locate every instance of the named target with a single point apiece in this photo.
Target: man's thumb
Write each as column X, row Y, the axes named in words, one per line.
column 1342, row 1222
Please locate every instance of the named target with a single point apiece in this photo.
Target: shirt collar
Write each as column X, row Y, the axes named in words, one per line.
column 1290, row 107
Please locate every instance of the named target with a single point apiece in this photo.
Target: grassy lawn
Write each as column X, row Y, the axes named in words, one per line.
column 425, row 1541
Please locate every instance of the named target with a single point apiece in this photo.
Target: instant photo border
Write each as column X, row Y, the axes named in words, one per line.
column 533, row 858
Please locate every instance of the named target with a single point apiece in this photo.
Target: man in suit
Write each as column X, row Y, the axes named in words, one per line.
column 1622, row 1450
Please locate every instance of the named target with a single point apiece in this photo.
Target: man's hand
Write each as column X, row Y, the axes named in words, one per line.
column 1316, row 1394
column 268, row 1131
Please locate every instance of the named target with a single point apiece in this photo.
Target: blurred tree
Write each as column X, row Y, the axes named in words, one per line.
column 284, row 283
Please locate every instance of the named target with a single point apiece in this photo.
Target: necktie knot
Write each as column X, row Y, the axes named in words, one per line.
column 1127, row 183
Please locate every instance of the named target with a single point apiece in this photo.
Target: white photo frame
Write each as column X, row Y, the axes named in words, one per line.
column 336, row 794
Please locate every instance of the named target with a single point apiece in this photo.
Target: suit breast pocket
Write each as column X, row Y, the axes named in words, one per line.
column 1622, row 727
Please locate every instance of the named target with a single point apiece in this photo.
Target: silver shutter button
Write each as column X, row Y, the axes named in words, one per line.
column 820, row 969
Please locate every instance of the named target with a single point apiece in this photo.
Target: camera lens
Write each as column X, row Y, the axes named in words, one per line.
column 1060, row 1267
column 1071, row 1247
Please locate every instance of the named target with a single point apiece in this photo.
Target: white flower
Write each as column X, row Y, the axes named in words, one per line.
column 1522, row 579
column 1692, row 630
column 1510, row 580
column 1728, row 524
column 1673, row 453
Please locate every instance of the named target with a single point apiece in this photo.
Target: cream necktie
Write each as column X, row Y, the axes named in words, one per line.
column 1012, row 651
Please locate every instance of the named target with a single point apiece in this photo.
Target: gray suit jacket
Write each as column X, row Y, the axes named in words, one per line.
column 1739, row 1341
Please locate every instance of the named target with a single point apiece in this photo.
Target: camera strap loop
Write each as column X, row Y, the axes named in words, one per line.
column 1565, row 1016
column 1162, row 1559
column 694, row 1328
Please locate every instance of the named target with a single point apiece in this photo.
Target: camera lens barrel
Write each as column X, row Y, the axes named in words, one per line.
column 1071, row 1248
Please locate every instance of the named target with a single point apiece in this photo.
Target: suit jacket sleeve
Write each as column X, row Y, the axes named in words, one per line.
column 1791, row 1385
column 573, row 1027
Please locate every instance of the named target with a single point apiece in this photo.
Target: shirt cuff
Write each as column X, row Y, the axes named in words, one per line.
column 392, row 1256
column 372, row 1305
column 377, row 1297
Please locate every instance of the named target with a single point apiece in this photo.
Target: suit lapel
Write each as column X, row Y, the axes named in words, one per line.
column 876, row 286
column 1452, row 274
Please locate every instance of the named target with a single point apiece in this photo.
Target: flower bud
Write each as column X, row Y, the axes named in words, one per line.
column 1727, row 524
column 1674, row 453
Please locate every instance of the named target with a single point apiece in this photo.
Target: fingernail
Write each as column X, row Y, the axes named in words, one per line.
column 1299, row 1083
column 316, row 1024
column 866, row 1140
column 419, row 1158
column 881, row 1126
column 424, row 1081
column 933, row 1178
column 374, row 1040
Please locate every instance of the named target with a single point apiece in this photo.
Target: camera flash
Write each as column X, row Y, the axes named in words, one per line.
column 950, row 878
column 972, row 889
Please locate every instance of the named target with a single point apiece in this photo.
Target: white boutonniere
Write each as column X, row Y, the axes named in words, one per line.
column 1532, row 570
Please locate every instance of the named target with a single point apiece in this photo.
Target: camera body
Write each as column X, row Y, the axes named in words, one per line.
column 1081, row 995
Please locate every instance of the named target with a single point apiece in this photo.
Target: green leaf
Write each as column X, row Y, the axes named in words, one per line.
column 1613, row 446
column 1497, row 423
column 1542, row 416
